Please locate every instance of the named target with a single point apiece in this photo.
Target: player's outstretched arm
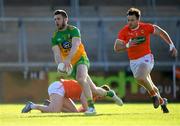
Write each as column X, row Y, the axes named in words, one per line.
column 119, row 46
column 164, row 35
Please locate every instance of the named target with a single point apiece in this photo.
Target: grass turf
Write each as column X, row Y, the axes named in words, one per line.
column 107, row 115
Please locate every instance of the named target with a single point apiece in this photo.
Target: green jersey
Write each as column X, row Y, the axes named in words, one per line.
column 64, row 40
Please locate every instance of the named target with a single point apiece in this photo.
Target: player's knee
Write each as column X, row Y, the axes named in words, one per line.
column 54, row 109
column 140, row 79
column 95, row 90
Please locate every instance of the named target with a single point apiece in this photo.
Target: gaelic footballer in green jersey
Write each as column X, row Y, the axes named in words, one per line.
column 69, row 50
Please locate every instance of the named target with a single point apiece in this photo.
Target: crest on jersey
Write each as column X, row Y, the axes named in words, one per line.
column 66, row 45
column 142, row 31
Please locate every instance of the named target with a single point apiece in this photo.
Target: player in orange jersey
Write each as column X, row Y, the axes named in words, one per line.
column 135, row 39
column 63, row 92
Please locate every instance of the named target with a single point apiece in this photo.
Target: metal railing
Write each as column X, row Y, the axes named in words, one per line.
column 103, row 61
column 23, row 43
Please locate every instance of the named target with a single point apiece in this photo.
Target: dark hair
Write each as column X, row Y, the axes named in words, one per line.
column 61, row 12
column 134, row 11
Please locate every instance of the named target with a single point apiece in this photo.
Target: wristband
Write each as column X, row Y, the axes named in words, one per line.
column 127, row 45
column 171, row 46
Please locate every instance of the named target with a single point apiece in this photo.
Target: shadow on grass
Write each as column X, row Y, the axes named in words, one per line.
column 66, row 115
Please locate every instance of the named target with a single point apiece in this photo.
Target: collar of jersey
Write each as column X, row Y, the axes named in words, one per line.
column 135, row 28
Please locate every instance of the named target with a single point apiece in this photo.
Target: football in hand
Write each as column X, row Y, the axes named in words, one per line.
column 62, row 69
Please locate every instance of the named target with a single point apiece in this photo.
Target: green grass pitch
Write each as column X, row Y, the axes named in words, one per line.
column 107, row 115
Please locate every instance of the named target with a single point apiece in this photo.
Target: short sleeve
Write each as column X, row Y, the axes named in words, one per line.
column 75, row 32
column 53, row 40
column 150, row 28
column 121, row 35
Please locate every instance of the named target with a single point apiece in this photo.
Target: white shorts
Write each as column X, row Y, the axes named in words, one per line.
column 147, row 59
column 56, row 88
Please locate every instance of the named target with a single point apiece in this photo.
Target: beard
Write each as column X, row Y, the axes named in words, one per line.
column 62, row 26
column 131, row 26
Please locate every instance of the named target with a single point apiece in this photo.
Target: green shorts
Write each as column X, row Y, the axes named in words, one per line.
column 82, row 60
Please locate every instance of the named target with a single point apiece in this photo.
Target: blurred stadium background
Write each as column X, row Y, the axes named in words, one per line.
column 26, row 61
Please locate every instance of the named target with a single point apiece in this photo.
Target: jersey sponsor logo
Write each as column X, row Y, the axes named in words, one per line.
column 139, row 39
column 66, row 45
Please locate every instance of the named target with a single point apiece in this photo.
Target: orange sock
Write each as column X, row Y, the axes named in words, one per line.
column 152, row 93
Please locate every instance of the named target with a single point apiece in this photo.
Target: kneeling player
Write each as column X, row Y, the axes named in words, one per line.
column 63, row 92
